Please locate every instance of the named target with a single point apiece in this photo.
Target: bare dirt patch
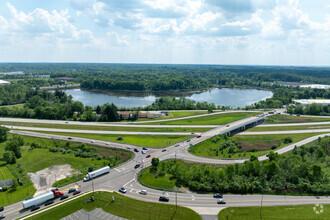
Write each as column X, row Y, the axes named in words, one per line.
column 265, row 145
column 44, row 179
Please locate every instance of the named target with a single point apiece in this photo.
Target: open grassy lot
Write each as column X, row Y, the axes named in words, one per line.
column 290, row 128
column 275, row 213
column 122, row 206
column 103, row 128
column 41, row 158
column 282, row 119
column 12, row 106
column 153, row 141
column 175, row 114
column 261, row 143
column 155, row 181
column 210, row 120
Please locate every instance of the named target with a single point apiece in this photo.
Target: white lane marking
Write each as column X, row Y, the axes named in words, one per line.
column 192, row 197
column 117, row 170
column 131, row 190
column 129, row 182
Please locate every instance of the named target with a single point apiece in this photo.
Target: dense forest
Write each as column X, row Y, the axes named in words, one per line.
column 304, row 170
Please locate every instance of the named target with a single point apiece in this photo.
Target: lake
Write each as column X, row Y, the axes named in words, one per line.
column 226, row 97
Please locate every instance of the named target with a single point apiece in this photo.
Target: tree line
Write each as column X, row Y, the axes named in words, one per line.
column 303, row 171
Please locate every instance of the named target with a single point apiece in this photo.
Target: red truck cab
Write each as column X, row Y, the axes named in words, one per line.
column 58, row 194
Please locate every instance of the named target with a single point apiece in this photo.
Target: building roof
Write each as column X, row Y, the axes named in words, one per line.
column 4, row 82
column 311, row 101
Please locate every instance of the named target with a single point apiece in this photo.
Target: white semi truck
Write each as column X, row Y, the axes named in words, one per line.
column 41, row 199
column 97, row 173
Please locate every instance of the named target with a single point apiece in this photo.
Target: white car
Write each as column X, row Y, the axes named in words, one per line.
column 129, row 147
column 143, row 192
column 107, row 143
column 92, row 141
column 144, row 152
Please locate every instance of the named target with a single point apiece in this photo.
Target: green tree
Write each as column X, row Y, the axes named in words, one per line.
column 316, row 172
column 155, row 163
column 271, row 168
column 14, row 146
column 3, row 134
column 9, row 157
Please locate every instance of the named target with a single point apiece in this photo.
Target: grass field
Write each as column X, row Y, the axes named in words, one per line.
column 275, row 213
column 290, row 128
column 210, row 120
column 122, row 206
column 262, row 143
column 281, row 119
column 175, row 114
column 158, row 182
column 153, row 141
column 103, row 128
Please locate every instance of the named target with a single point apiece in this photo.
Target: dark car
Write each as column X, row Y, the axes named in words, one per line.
column 221, row 201
column 64, row 197
column 70, row 138
column 188, row 140
column 144, row 148
column 122, row 190
column 163, row 150
column 217, row 195
column 34, row 207
column 198, row 136
column 49, row 202
column 1, row 209
column 164, row 199
column 136, row 150
column 148, row 156
column 2, row 216
column 72, row 190
column 137, row 165
column 76, row 192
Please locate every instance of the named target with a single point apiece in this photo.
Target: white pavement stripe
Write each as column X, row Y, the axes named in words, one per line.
column 129, row 182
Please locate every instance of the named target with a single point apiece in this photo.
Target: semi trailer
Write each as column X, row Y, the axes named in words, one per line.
column 96, row 173
column 41, row 199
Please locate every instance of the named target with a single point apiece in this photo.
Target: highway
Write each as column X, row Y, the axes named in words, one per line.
column 126, row 175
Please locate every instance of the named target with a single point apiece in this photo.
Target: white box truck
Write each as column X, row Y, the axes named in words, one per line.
column 96, row 173
column 41, row 199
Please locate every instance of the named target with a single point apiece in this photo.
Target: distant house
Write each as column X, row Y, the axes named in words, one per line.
column 64, row 79
column 143, row 114
column 8, row 182
column 125, row 114
column 2, row 82
column 154, row 115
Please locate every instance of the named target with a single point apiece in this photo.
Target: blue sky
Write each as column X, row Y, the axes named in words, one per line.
column 262, row 32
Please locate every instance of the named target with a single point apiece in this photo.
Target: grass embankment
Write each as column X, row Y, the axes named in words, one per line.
column 41, row 158
column 261, row 144
column 122, row 206
column 219, row 119
column 275, row 212
column 102, row 128
column 153, row 141
column 178, row 114
column 291, row 128
column 282, row 119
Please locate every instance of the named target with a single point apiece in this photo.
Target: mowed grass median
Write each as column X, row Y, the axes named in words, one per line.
column 291, row 128
column 276, row 212
column 282, row 119
column 153, row 141
column 219, row 119
column 122, row 206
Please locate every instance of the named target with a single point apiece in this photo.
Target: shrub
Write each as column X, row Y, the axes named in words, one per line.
column 287, row 140
column 274, row 147
column 120, row 138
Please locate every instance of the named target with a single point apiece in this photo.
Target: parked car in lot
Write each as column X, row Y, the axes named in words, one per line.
column 143, row 192
column 164, row 199
column 148, row 156
column 217, row 195
column 221, row 201
column 64, row 197
column 122, row 190
column 49, row 202
column 76, row 192
column 34, row 207
column 72, row 190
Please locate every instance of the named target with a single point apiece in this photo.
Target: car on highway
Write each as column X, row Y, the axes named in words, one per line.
column 70, row 138
column 143, row 152
column 164, row 199
column 136, row 150
column 34, row 207
column 192, row 132
column 177, row 145
column 218, row 195
column 49, row 202
column 137, row 165
column 107, row 143
column 129, row 147
column 188, row 140
column 143, row 192
column 122, row 190
column 221, row 201
column 2, row 216
column 64, row 197
column 1, row 209
column 144, row 148
column 198, row 136
column 76, row 192
column 72, row 190
column 163, row 150
column 227, row 125
column 148, row 156
column 92, row 141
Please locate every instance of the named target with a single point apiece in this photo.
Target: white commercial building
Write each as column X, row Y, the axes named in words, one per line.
column 2, row 82
column 315, row 86
column 305, row 102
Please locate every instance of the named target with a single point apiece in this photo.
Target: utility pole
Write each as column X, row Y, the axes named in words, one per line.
column 262, row 197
